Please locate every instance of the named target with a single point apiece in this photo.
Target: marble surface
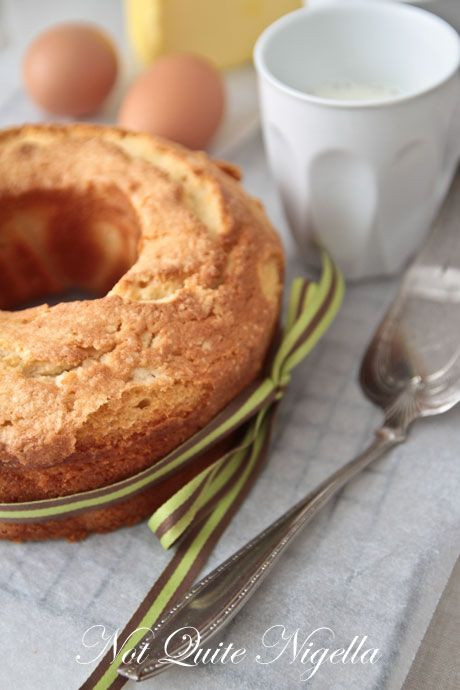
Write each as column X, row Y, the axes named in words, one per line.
column 373, row 563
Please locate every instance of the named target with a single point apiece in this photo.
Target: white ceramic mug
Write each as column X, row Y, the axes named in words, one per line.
column 365, row 178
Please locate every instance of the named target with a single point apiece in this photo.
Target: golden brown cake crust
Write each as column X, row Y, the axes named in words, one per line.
column 94, row 391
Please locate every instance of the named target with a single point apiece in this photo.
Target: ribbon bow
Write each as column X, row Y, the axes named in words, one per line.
column 311, row 309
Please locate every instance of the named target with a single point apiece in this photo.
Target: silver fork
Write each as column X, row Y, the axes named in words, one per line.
column 411, row 369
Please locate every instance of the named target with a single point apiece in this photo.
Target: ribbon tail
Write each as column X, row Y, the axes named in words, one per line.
column 187, row 562
column 196, row 498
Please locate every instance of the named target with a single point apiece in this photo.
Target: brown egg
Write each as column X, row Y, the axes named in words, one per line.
column 181, row 97
column 70, row 69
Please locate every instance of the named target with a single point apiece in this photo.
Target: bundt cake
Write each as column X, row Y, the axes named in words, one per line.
column 187, row 276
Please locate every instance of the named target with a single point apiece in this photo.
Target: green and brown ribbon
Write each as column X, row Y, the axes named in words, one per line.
column 199, row 512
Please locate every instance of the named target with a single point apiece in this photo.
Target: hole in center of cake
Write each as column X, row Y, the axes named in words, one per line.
column 61, row 245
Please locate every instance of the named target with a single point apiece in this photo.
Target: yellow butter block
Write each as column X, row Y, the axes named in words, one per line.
column 222, row 30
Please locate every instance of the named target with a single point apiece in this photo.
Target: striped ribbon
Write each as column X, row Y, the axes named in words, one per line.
column 200, row 511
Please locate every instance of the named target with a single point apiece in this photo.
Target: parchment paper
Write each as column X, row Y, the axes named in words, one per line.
column 373, row 564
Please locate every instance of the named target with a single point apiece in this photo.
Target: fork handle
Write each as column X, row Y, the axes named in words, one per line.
column 215, row 599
